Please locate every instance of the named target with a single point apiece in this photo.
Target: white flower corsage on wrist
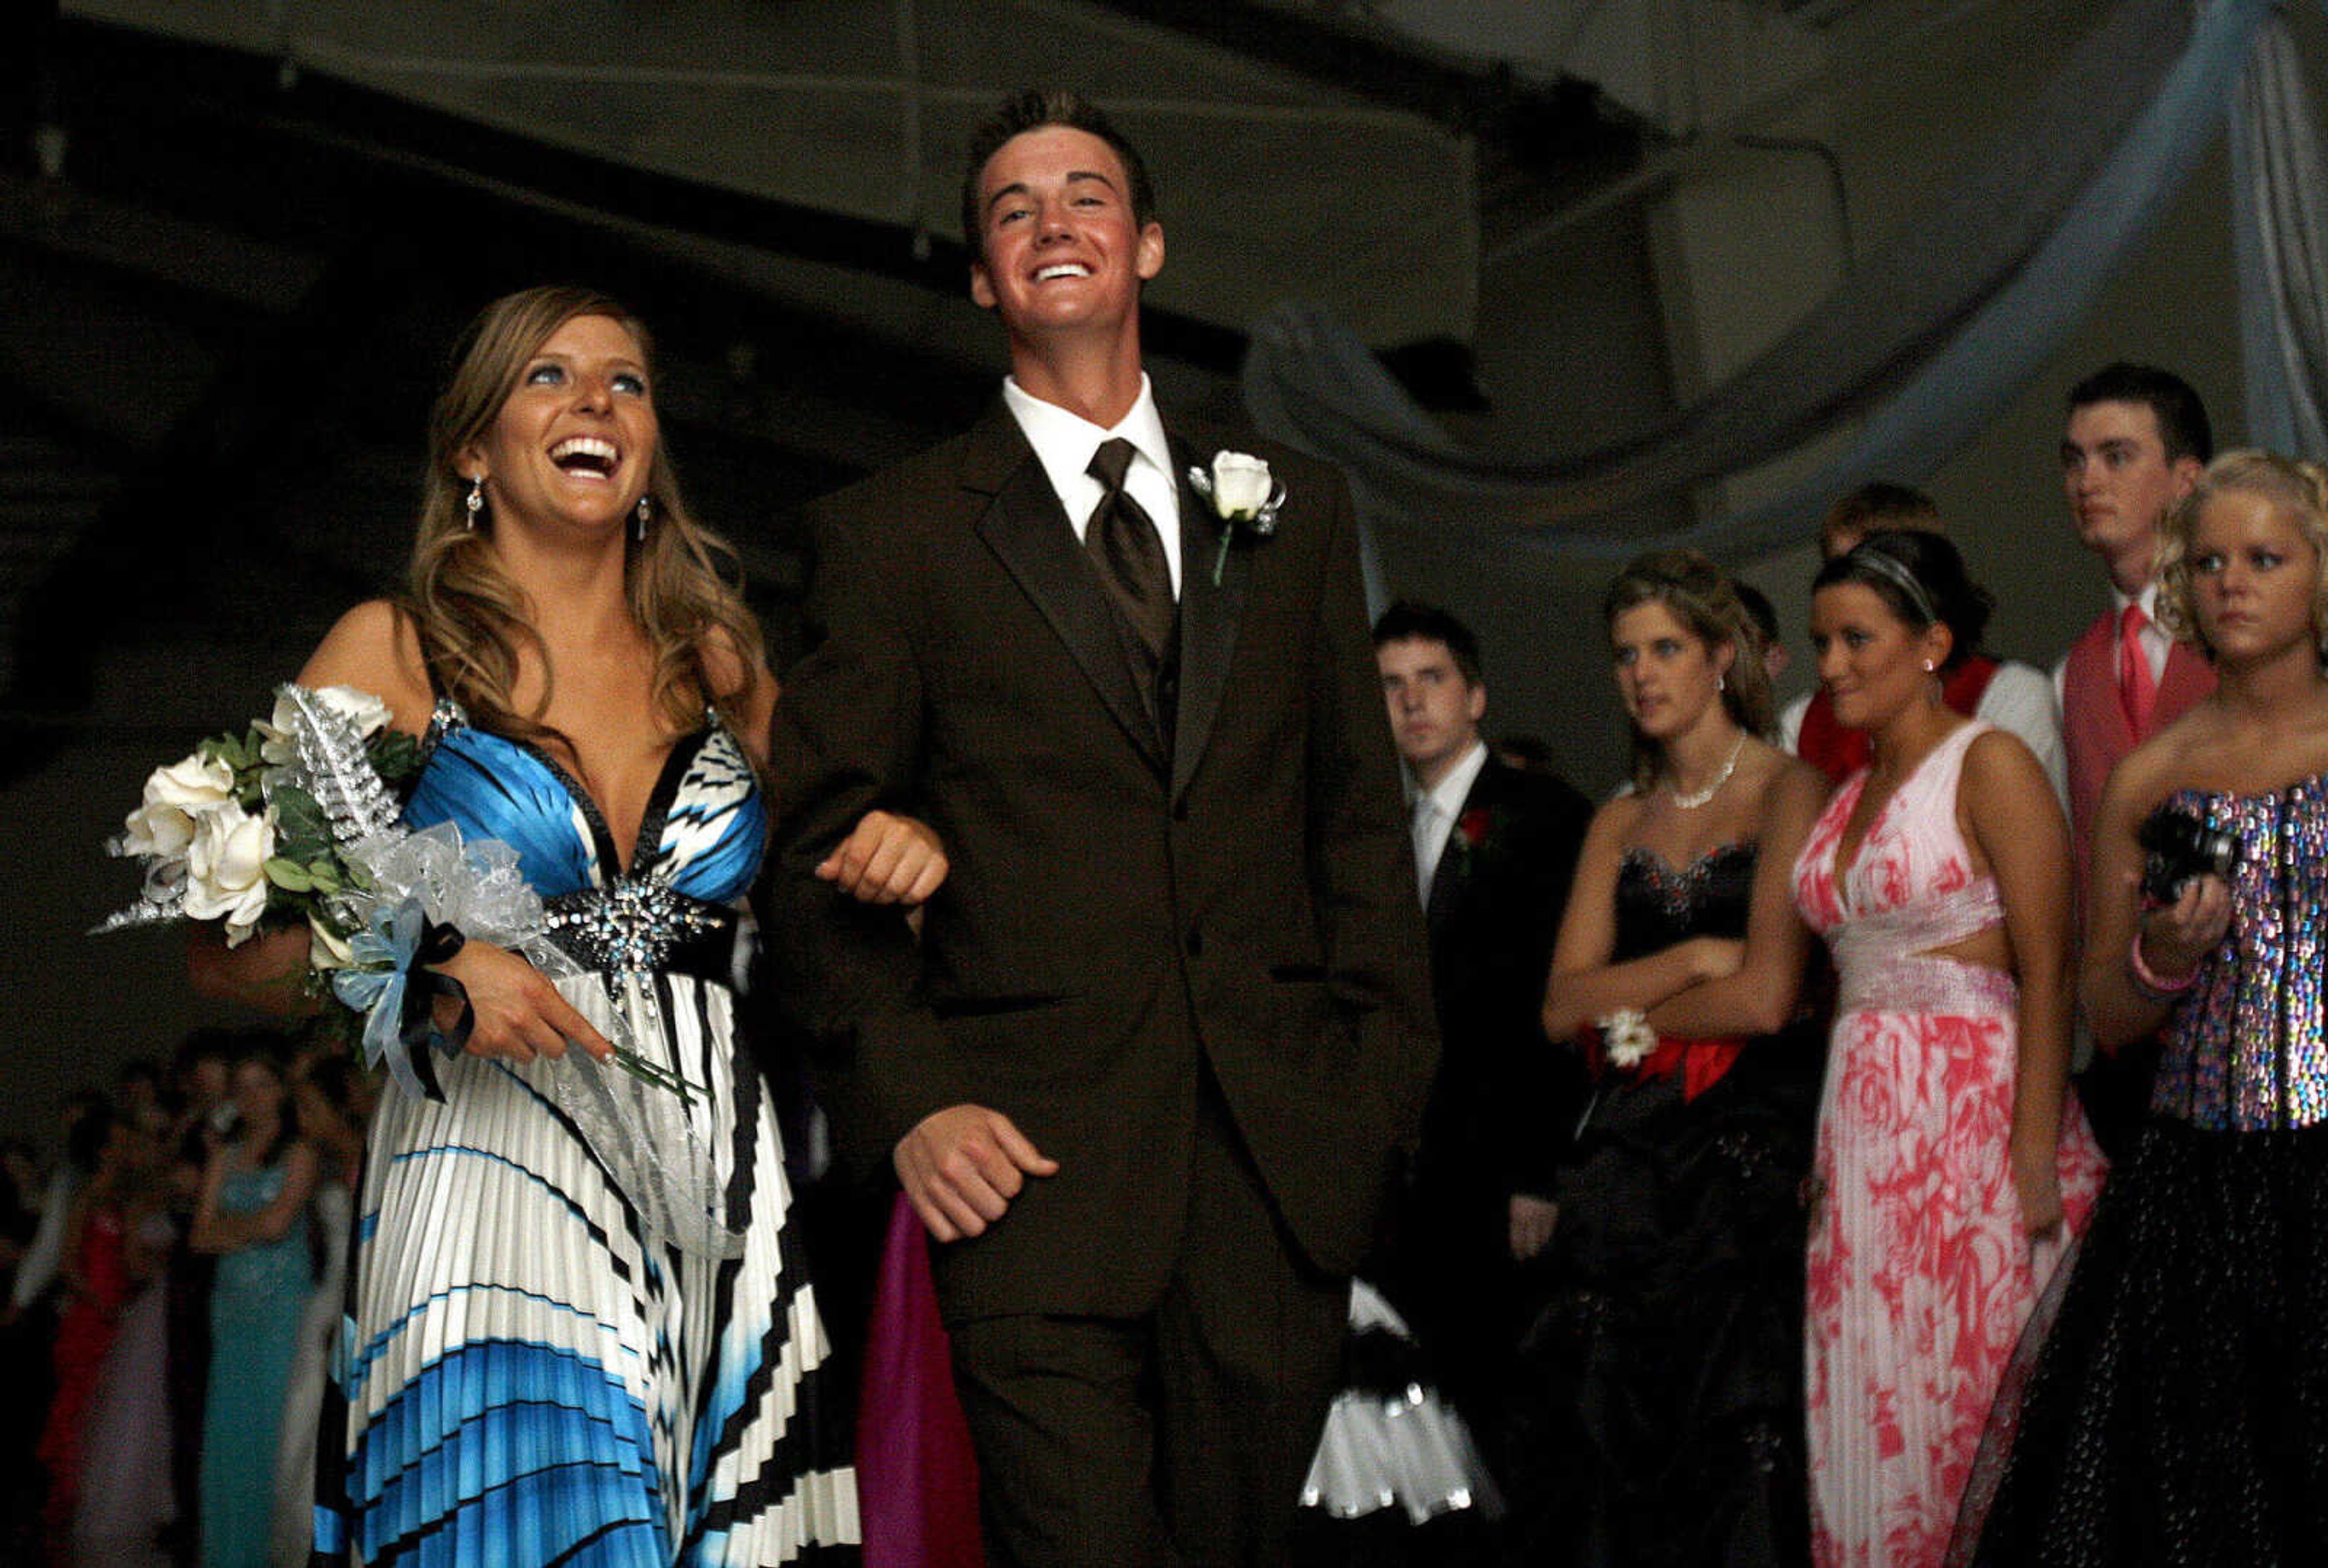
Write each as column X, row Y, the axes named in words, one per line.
column 1626, row 1037
column 1245, row 495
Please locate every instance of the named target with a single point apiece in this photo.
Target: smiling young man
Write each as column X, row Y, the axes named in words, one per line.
column 1144, row 1074
column 2136, row 442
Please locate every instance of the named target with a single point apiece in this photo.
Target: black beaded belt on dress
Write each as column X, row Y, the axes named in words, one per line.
column 634, row 926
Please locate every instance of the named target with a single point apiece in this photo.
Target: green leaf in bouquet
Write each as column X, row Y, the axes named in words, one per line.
column 324, row 875
column 299, row 821
column 290, row 875
column 394, row 754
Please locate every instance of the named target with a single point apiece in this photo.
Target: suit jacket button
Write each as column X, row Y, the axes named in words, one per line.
column 1196, row 941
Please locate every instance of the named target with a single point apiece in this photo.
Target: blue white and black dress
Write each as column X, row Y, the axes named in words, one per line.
column 532, row 1378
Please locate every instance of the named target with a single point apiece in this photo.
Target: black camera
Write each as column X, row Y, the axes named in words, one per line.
column 2177, row 846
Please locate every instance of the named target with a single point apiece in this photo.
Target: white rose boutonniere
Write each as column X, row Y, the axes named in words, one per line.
column 1245, row 496
column 1627, row 1037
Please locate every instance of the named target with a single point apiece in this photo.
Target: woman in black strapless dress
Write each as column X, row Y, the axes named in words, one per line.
column 1660, row 1420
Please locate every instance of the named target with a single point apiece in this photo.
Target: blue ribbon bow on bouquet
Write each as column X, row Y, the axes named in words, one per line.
column 390, row 984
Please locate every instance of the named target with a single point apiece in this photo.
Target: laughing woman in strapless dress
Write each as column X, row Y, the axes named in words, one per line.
column 538, row 1370
column 1951, row 1162
column 1659, row 1420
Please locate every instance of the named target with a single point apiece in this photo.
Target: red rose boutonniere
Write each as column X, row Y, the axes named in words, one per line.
column 1474, row 835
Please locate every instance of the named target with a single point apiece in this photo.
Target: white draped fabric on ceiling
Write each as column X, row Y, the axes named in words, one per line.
column 862, row 106
column 1925, row 339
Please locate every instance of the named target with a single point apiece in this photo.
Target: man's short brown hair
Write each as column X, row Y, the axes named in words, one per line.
column 1874, row 507
column 1030, row 109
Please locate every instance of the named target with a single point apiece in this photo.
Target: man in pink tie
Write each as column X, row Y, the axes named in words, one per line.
column 2136, row 440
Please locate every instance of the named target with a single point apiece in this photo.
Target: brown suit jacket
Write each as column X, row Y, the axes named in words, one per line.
column 1120, row 907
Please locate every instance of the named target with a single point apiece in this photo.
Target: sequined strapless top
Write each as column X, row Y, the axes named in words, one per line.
column 2247, row 1050
column 696, row 852
column 1659, row 904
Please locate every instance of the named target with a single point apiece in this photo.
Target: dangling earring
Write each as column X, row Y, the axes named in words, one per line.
column 646, row 510
column 475, row 500
column 1720, row 682
column 1927, row 667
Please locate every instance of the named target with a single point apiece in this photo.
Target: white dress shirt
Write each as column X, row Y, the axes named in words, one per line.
column 1063, row 442
column 1435, row 811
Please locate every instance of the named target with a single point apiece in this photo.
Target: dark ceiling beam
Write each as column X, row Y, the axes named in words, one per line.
column 1539, row 127
column 120, row 69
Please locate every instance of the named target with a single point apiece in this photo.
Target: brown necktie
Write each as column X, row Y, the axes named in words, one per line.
column 1123, row 544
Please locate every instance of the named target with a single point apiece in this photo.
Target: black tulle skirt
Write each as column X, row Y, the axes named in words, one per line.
column 1658, row 1418
column 2176, row 1409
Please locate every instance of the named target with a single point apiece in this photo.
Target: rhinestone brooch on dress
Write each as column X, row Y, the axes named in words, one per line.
column 630, row 926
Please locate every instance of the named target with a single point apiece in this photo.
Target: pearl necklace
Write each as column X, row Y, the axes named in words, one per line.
column 1690, row 803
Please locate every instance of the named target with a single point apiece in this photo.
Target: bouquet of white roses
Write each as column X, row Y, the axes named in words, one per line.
column 297, row 821
column 236, row 833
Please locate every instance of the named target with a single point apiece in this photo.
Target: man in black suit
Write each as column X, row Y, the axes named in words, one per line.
column 1146, row 1074
column 1495, row 849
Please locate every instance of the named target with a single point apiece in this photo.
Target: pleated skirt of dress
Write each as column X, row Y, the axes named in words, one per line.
column 530, row 1381
column 1920, row 1274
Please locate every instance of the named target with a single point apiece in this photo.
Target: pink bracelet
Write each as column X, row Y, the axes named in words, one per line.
column 2148, row 983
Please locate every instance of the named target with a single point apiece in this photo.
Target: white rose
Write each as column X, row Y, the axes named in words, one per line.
column 1242, row 484
column 225, row 868
column 163, row 831
column 175, row 798
column 192, row 785
column 368, row 713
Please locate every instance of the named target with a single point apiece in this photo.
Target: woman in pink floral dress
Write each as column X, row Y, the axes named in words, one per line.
column 1951, row 1162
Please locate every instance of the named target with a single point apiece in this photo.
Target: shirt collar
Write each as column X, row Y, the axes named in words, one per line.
column 2147, row 599
column 1449, row 793
column 1064, row 441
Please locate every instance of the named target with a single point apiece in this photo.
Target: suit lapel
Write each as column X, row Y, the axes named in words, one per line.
column 1209, row 613
column 1025, row 526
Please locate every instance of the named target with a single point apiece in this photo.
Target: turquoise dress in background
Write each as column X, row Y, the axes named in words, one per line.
column 257, row 1299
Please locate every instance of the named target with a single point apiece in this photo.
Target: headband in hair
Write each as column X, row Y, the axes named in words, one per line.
column 1900, row 578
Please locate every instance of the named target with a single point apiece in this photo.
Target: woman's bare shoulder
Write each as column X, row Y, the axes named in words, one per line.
column 375, row 647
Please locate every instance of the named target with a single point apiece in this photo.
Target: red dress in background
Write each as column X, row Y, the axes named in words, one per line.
column 85, row 1332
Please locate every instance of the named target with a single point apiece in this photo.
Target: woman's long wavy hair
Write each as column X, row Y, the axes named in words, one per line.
column 473, row 620
column 1703, row 599
column 2297, row 487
